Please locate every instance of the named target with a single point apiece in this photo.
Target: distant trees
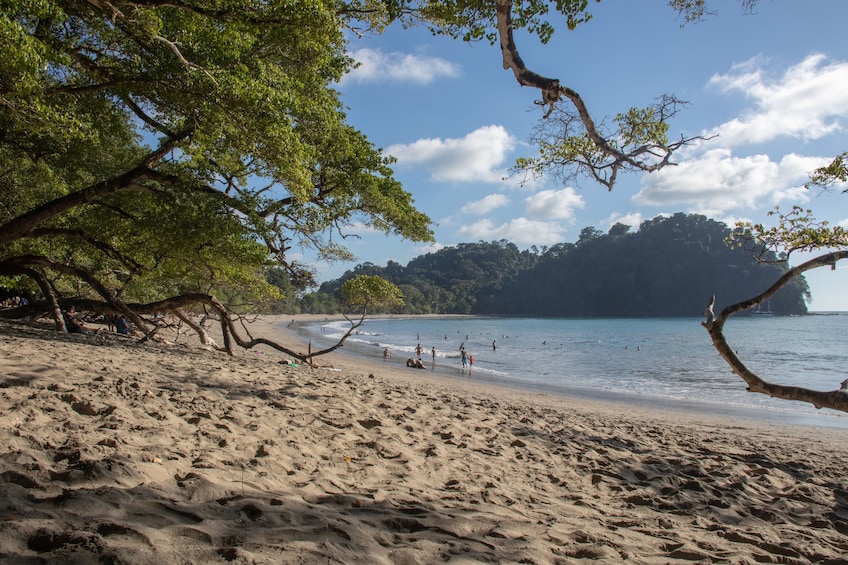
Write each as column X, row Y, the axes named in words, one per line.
column 452, row 280
column 666, row 268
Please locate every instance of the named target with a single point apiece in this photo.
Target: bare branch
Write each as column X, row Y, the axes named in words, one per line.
column 836, row 399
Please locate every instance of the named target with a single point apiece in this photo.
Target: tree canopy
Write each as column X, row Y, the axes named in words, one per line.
column 164, row 152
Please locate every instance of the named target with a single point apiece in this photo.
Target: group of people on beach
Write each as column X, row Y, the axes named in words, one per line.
column 466, row 358
column 14, row 302
column 415, row 363
column 76, row 324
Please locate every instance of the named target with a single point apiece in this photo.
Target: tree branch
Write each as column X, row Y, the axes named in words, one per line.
column 836, row 399
column 21, row 225
column 83, row 236
column 46, row 289
column 658, row 154
column 108, row 295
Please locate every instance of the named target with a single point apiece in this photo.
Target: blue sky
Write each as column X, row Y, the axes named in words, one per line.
column 772, row 85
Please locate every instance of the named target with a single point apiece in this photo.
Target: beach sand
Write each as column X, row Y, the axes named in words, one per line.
column 117, row 452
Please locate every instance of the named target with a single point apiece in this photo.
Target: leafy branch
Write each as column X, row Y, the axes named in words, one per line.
column 796, row 230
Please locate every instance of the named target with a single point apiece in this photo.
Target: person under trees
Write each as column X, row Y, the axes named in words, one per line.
column 73, row 323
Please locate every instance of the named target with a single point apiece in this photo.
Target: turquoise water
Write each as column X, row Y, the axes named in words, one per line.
column 654, row 362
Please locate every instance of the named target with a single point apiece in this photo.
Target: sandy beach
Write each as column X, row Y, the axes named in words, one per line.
column 117, row 452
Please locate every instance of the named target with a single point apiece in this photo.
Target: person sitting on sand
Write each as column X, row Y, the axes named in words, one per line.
column 122, row 326
column 74, row 324
column 419, row 364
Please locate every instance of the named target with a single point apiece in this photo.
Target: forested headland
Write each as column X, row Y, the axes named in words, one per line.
column 670, row 266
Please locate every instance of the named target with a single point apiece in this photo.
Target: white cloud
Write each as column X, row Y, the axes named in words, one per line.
column 634, row 220
column 732, row 219
column 808, row 102
column 475, row 157
column 485, row 204
column 554, row 204
column 428, row 248
column 519, row 231
column 377, row 66
column 359, row 228
column 718, row 181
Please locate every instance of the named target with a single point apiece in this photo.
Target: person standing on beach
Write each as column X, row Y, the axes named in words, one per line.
column 464, row 359
column 433, row 353
column 418, row 350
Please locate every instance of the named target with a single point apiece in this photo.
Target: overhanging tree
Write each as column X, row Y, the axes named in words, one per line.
column 158, row 154
column 230, row 104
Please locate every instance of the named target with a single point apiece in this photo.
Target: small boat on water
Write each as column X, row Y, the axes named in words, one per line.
column 760, row 313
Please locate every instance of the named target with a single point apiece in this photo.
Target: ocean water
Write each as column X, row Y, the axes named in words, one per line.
column 653, row 362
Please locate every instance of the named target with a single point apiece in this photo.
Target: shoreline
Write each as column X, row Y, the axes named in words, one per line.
column 712, row 411
column 116, row 451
